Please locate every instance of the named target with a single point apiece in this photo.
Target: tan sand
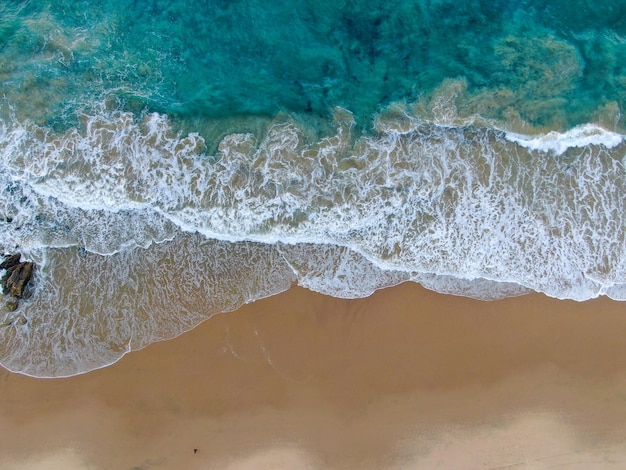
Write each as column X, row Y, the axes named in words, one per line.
column 404, row 379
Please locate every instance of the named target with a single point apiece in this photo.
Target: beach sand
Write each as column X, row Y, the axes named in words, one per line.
column 406, row 378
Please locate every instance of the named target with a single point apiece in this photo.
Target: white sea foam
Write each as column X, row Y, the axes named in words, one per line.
column 461, row 210
column 90, row 310
column 338, row 271
column 455, row 202
column 482, row 289
column 559, row 142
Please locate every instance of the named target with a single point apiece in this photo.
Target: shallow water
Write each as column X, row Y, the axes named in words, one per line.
column 163, row 162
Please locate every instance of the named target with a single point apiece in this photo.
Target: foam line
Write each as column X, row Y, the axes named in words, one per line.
column 559, row 142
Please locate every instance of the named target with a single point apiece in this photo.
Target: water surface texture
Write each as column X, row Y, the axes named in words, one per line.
column 163, row 161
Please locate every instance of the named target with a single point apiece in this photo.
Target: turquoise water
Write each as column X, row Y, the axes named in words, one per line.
column 163, row 161
column 557, row 64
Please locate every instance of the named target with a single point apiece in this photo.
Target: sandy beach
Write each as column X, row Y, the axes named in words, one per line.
column 404, row 379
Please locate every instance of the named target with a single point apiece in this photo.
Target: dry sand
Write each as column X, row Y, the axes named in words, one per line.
column 404, row 379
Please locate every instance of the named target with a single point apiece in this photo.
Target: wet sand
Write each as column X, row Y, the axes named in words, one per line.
column 404, row 379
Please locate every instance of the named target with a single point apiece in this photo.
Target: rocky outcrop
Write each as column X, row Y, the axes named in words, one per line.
column 16, row 277
column 11, row 261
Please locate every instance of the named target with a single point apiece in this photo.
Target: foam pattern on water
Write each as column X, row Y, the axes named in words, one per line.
column 559, row 142
column 338, row 271
column 479, row 288
column 89, row 310
column 139, row 234
column 466, row 202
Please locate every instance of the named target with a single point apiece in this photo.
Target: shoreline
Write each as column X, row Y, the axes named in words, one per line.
column 405, row 378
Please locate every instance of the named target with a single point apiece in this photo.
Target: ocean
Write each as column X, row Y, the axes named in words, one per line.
column 164, row 161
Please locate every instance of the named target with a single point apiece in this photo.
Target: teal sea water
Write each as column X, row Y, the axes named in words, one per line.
column 163, row 161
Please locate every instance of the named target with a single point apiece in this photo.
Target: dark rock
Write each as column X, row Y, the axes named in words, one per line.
column 7, row 275
column 17, row 281
column 9, row 271
column 12, row 260
column 11, row 277
column 12, row 305
column 16, row 276
column 5, row 279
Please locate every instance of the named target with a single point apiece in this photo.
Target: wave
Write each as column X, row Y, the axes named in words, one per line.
column 560, row 142
column 163, row 234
